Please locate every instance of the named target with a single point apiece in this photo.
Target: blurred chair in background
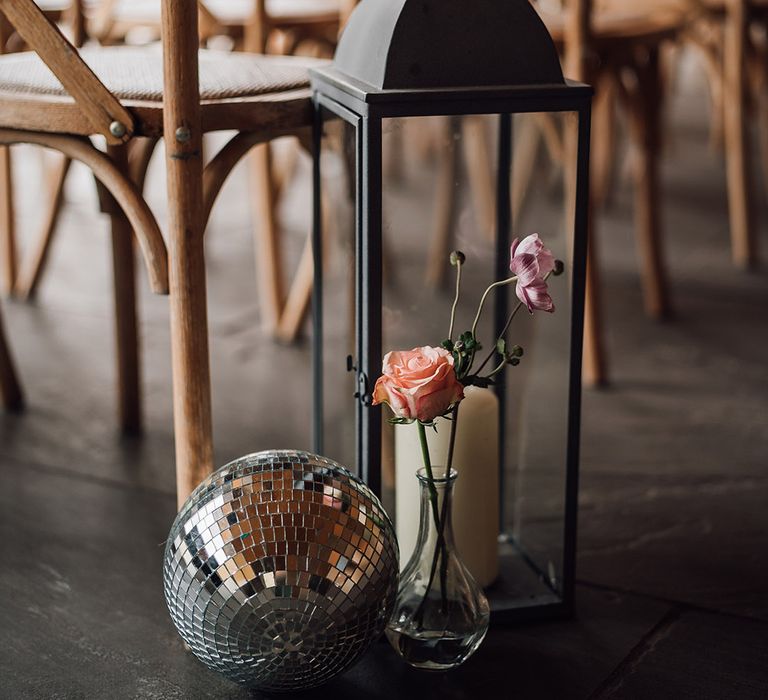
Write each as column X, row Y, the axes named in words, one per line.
column 615, row 45
column 732, row 36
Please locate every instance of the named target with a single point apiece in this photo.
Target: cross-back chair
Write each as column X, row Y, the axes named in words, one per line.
column 127, row 96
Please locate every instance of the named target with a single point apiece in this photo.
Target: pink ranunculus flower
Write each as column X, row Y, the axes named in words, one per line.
column 418, row 384
column 531, row 262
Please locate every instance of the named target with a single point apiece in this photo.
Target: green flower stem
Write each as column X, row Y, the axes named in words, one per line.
column 455, row 299
column 452, row 440
column 497, row 369
column 444, row 508
column 500, row 283
column 430, row 476
column 440, row 551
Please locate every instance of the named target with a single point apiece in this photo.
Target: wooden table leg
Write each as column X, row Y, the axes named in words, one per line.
column 189, row 321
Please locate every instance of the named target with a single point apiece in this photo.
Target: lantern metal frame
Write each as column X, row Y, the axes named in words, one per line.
column 364, row 107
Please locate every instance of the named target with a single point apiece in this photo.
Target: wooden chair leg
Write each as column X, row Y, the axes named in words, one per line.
column 604, row 141
column 284, row 169
column 480, row 167
column 300, row 293
column 7, row 229
column 762, row 112
column 299, row 298
column 189, row 320
column 445, row 205
column 594, row 363
column 10, row 388
column 33, row 265
column 743, row 240
column 393, row 166
column 126, row 324
column 526, row 143
column 643, row 112
column 420, row 138
column 266, row 235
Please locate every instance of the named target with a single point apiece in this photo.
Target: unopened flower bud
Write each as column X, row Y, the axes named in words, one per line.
column 514, row 361
column 559, row 267
column 457, row 258
column 517, row 351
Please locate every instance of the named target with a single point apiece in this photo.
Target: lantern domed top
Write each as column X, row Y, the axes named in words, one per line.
column 423, row 44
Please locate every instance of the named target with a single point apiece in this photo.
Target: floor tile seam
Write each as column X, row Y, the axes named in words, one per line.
column 693, row 480
column 672, row 602
column 64, row 472
column 56, row 312
column 613, row 682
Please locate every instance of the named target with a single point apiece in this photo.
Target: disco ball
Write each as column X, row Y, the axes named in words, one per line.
column 280, row 570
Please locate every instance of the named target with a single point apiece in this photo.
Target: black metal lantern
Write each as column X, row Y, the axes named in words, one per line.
column 401, row 60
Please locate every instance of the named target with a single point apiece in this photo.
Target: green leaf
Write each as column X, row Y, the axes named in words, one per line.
column 447, row 344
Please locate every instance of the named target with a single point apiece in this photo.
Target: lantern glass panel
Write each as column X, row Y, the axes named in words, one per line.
column 537, row 405
column 439, row 193
column 337, row 203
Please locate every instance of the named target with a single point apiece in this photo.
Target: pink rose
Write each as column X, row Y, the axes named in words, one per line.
column 531, row 262
column 418, row 384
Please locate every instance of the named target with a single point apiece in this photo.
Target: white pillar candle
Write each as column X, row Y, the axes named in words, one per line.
column 476, row 493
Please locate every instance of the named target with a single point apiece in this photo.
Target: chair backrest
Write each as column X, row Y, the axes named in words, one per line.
column 97, row 103
column 105, row 112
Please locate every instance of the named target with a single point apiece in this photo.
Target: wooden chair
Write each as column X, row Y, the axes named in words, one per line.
column 153, row 96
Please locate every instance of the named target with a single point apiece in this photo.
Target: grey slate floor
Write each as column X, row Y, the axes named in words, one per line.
column 672, row 600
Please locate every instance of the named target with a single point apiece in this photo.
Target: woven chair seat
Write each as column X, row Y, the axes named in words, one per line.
column 53, row 5
column 240, row 10
column 147, row 12
column 136, row 73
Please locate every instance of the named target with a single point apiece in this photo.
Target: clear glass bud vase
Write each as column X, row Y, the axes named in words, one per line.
column 441, row 614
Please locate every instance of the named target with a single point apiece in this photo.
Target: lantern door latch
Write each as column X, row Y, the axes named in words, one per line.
column 363, row 392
